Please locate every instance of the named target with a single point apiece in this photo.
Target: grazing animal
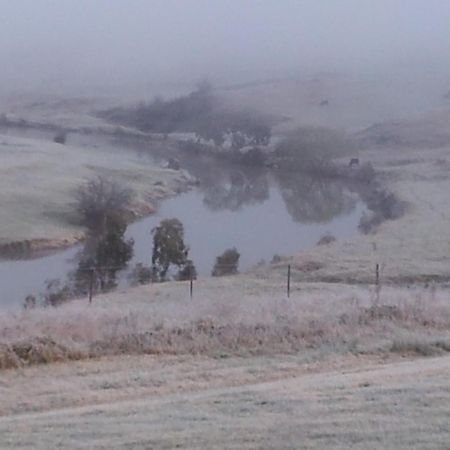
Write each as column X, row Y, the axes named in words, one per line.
column 354, row 162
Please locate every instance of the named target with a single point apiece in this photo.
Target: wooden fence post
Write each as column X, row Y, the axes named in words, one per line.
column 91, row 283
column 289, row 281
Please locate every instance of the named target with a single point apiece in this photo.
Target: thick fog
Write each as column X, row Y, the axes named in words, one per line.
column 67, row 44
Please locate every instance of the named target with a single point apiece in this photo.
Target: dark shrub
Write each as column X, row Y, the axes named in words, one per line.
column 253, row 157
column 60, row 137
column 140, row 274
column 227, row 263
column 326, row 239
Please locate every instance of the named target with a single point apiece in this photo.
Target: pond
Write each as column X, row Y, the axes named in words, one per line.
column 260, row 213
column 258, row 227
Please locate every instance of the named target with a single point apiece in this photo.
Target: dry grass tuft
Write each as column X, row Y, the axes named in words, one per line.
column 423, row 347
column 8, row 358
column 38, row 350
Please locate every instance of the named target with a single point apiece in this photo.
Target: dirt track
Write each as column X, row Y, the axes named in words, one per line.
column 170, row 402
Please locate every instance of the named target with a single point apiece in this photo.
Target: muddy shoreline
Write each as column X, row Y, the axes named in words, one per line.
column 37, row 248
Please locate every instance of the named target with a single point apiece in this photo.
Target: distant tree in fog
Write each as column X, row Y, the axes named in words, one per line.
column 199, row 112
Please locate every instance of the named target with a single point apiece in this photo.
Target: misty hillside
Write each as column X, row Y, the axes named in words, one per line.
column 225, row 224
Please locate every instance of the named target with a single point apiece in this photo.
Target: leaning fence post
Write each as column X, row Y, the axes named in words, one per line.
column 91, row 283
column 289, row 281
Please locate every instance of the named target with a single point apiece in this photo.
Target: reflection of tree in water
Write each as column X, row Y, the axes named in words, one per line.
column 312, row 200
column 307, row 199
column 101, row 258
column 236, row 190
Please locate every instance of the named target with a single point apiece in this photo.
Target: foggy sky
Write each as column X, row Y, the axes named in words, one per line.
column 82, row 42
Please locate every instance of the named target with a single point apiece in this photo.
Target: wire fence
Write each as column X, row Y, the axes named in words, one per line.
column 95, row 272
column 191, row 276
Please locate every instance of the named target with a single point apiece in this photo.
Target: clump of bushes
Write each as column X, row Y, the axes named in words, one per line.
column 383, row 205
column 326, row 239
column 226, row 263
column 141, row 274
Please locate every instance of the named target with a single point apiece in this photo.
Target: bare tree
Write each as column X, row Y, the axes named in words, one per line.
column 99, row 200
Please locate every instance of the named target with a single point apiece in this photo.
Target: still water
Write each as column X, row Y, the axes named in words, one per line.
column 258, row 231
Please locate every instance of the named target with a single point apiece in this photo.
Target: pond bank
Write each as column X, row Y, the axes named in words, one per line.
column 38, row 180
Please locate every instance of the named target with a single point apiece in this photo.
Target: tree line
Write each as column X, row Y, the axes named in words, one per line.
column 200, row 112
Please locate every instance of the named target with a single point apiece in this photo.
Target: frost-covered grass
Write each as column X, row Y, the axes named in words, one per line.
column 38, row 180
column 282, row 401
column 237, row 315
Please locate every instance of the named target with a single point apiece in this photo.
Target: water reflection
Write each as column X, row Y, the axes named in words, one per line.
column 240, row 189
column 314, row 200
column 307, row 199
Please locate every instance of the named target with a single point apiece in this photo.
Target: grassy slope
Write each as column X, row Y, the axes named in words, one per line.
column 355, row 101
column 38, row 180
column 277, row 402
